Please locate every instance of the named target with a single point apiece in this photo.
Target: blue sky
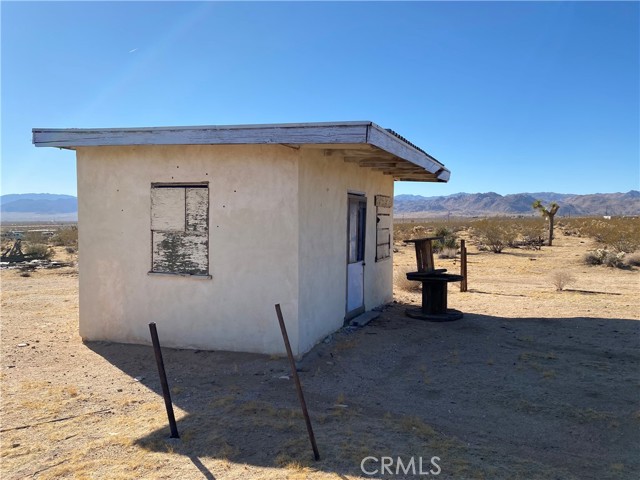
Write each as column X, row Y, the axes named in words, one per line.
column 511, row 97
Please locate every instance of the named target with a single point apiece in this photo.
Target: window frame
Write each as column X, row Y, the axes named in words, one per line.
column 153, row 271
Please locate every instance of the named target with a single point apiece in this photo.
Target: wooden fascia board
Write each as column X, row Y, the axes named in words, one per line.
column 363, row 134
column 443, row 175
column 296, row 134
column 415, row 179
column 405, row 169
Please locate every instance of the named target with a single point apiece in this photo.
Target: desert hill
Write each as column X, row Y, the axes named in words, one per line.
column 491, row 204
column 38, row 206
column 47, row 206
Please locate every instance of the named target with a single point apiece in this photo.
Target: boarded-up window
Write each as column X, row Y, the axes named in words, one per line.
column 180, row 229
column 383, row 227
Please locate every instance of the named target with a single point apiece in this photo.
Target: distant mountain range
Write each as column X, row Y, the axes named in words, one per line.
column 38, row 207
column 492, row 204
column 51, row 207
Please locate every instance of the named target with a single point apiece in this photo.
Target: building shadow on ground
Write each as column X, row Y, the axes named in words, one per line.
column 490, row 396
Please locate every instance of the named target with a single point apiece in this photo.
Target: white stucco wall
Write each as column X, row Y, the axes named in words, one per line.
column 253, row 227
column 277, row 234
column 324, row 184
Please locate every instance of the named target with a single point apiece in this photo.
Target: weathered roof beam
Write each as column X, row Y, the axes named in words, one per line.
column 373, row 164
column 360, row 151
column 369, row 158
column 398, row 171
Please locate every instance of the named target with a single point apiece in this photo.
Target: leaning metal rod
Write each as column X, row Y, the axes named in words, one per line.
column 163, row 381
column 294, row 372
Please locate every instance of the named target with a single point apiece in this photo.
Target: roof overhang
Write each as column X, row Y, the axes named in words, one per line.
column 364, row 143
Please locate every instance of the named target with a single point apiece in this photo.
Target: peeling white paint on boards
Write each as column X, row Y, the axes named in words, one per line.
column 384, row 205
column 179, row 224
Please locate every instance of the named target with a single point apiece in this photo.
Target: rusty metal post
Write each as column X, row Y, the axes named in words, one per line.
column 463, row 265
column 296, row 379
column 163, row 381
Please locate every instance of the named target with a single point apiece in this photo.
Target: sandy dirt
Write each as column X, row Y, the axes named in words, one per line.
column 531, row 383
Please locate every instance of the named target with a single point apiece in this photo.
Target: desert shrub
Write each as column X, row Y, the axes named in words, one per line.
column 410, row 229
column 448, row 252
column 401, row 282
column 570, row 232
column 38, row 251
column 621, row 241
column 70, row 250
column 602, row 256
column 495, row 234
column 561, row 279
column 617, row 234
column 614, row 260
column 65, row 237
column 632, row 260
column 531, row 232
column 35, row 237
column 569, row 227
column 511, row 237
column 510, row 232
column 449, row 241
column 591, row 258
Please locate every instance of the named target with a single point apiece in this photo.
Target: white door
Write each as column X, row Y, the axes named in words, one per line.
column 356, row 228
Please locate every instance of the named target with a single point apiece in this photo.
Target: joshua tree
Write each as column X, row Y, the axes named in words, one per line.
column 549, row 213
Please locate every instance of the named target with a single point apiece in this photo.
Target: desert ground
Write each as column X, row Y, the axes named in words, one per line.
column 533, row 383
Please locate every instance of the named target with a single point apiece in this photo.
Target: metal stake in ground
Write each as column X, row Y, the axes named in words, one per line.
column 463, row 266
column 163, row 381
column 296, row 379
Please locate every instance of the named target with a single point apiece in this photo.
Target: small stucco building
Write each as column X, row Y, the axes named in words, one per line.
column 204, row 229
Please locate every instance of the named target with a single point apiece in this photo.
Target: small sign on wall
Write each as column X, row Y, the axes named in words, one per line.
column 384, row 201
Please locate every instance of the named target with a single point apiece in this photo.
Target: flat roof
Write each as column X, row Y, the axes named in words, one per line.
column 362, row 142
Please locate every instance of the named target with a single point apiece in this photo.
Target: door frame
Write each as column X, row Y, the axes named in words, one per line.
column 362, row 199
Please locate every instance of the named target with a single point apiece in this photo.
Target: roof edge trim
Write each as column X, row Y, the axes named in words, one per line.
column 384, row 140
column 327, row 133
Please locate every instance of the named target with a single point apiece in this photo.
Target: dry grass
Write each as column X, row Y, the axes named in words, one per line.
column 402, row 283
column 618, row 234
column 448, row 252
column 495, row 234
column 236, row 413
column 405, row 230
column 561, row 279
